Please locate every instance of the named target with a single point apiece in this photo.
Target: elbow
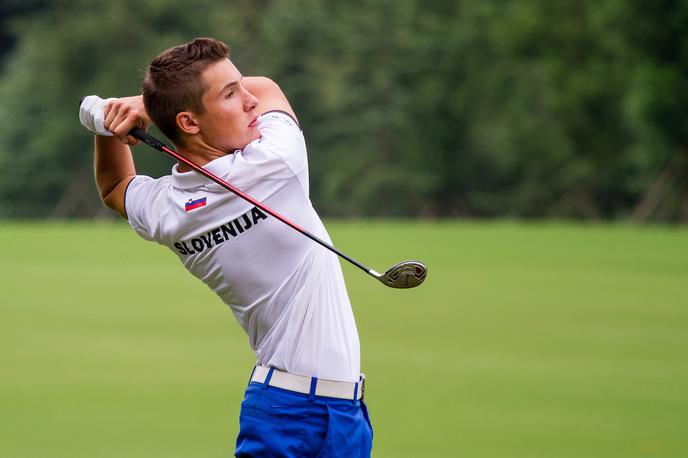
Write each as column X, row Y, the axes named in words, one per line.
column 269, row 82
column 263, row 80
column 263, row 84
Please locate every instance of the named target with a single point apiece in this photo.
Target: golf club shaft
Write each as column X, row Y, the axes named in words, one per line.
column 153, row 142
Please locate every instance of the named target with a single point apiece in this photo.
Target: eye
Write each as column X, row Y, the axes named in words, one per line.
column 230, row 94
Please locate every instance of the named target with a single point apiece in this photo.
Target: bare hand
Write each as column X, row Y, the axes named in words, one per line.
column 123, row 114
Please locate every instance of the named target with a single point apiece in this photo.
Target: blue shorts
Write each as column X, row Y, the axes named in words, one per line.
column 280, row 423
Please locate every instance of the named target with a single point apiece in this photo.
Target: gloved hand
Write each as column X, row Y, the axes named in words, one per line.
column 91, row 114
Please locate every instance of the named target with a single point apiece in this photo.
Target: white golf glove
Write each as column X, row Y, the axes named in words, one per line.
column 92, row 114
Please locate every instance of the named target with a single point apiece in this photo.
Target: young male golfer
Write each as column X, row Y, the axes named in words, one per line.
column 305, row 394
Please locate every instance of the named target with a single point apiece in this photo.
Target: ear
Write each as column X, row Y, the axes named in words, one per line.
column 186, row 121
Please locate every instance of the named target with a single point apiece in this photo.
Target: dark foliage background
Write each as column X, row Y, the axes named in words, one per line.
column 528, row 108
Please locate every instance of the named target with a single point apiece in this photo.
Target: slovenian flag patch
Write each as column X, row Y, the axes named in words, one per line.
column 194, row 204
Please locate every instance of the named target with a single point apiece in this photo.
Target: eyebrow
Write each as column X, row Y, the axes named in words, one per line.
column 230, row 84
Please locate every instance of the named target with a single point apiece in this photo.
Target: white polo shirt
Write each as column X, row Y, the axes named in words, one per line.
column 286, row 291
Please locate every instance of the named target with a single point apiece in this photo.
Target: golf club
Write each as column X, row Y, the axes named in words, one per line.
column 406, row 274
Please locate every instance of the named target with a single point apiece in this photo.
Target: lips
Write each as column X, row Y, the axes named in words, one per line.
column 254, row 122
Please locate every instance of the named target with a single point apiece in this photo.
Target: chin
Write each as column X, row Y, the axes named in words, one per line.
column 251, row 137
column 245, row 143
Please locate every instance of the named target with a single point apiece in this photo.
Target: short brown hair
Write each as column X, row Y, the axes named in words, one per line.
column 173, row 82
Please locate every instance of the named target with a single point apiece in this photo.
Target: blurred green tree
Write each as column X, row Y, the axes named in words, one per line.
column 510, row 108
column 656, row 48
column 71, row 49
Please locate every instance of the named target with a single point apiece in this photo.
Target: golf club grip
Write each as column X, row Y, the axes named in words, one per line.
column 147, row 138
column 151, row 141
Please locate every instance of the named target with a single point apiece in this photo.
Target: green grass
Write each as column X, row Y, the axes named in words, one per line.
column 527, row 340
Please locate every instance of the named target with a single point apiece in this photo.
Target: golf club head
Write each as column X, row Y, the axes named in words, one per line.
column 406, row 274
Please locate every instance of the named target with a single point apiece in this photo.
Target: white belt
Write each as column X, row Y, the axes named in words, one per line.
column 302, row 384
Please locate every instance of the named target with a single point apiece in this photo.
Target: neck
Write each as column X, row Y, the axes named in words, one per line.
column 199, row 154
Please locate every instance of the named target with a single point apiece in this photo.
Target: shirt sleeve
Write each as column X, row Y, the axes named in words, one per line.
column 138, row 203
column 282, row 136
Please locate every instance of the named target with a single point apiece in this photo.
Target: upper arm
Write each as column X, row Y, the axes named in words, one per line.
column 270, row 96
column 114, row 169
column 115, row 198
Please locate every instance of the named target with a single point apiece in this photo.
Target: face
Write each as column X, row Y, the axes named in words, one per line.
column 229, row 121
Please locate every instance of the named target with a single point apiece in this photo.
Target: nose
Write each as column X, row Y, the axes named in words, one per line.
column 250, row 102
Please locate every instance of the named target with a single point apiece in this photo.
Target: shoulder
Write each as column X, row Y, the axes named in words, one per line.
column 279, row 117
column 146, row 184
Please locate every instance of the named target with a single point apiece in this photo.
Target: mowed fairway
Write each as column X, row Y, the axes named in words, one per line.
column 527, row 340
